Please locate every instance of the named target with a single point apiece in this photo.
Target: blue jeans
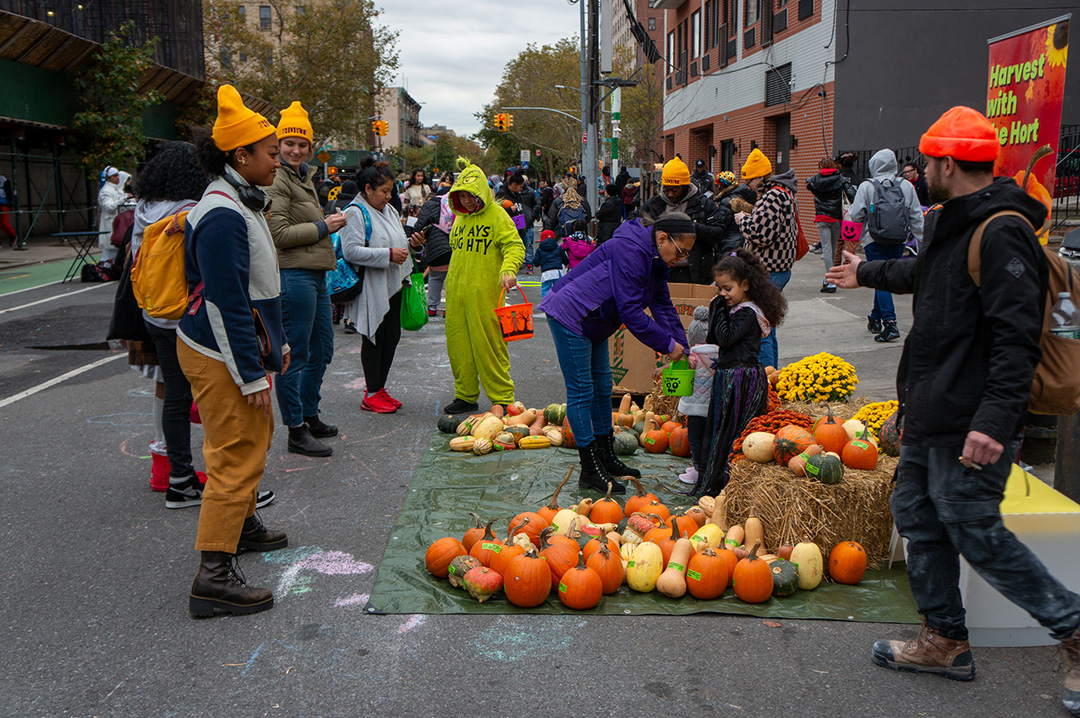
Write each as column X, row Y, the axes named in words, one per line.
column 546, row 285
column 883, row 303
column 309, row 329
column 769, row 354
column 946, row 511
column 586, row 369
column 528, row 245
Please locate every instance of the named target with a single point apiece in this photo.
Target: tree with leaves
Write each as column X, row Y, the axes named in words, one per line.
column 109, row 116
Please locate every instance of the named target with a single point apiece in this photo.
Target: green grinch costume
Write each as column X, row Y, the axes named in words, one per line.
column 486, row 245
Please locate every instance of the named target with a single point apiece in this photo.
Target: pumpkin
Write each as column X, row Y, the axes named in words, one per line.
column 797, row 465
column 504, row 441
column 655, row 441
column 607, row 510
column 474, row 534
column 644, row 567
column 482, row 583
column 448, row 424
column 706, row 575
column 672, row 582
column 502, row 559
column 529, row 523
column 668, row 427
column 891, row 433
column 785, row 577
column 548, row 512
column 484, row 549
column 625, row 443
column 853, row 427
column 708, row 536
column 758, row 447
column 829, row 432
column 488, row 428
column 568, row 435
column 660, row 532
column 566, row 522
column 755, row 530
column 608, row 566
column 639, row 500
column 594, row 544
column 734, row 537
column 580, row 587
column 527, row 581
column 698, row 515
column 860, row 454
column 784, row 552
column 459, row 567
column 655, row 507
column 439, row 555
column 679, row 441
column 790, row 441
column 825, row 468
column 847, row 563
column 752, row 580
column 730, row 560
column 683, row 525
column 807, row 559
column 559, row 556
column 555, row 413
column 636, row 527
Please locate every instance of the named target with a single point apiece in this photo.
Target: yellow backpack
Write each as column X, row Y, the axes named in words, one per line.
column 158, row 279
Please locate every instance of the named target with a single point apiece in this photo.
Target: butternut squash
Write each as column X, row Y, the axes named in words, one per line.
column 584, row 507
column 734, row 537
column 645, row 567
column 754, row 530
column 650, row 424
column 672, row 582
column 708, row 536
column 525, row 418
column 626, row 552
column 536, row 426
column 624, row 403
column 719, row 513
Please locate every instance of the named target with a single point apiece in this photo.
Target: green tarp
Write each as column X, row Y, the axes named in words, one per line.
column 447, row 485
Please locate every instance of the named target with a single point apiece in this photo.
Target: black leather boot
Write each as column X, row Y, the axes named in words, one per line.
column 256, row 537
column 593, row 474
column 318, row 428
column 219, row 585
column 302, row 442
column 605, row 450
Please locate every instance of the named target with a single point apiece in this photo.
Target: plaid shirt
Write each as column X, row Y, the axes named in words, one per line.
column 772, row 230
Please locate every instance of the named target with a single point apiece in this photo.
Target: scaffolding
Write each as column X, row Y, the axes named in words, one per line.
column 52, row 192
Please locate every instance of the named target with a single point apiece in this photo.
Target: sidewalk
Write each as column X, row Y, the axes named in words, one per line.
column 38, row 250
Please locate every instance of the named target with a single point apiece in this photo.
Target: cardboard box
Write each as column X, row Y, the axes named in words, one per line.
column 633, row 363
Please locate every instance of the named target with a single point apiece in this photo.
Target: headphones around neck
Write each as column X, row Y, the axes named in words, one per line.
column 252, row 197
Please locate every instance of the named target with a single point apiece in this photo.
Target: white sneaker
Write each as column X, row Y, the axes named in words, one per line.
column 689, row 476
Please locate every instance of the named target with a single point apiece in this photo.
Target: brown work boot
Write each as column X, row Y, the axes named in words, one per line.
column 256, row 537
column 220, row 585
column 927, row 653
column 1070, row 694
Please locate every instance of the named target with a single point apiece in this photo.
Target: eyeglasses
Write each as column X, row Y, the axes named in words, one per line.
column 680, row 253
column 911, row 172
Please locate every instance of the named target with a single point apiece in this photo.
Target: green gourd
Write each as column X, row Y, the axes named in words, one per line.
column 625, row 443
column 785, row 577
column 824, row 468
column 448, row 424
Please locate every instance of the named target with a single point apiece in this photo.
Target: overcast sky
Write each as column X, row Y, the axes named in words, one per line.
column 452, row 52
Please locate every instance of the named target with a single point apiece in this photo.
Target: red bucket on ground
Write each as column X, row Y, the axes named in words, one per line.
column 515, row 320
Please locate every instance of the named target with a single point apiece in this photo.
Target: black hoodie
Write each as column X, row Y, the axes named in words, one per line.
column 971, row 354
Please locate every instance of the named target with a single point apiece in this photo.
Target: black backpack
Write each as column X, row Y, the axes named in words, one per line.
column 887, row 220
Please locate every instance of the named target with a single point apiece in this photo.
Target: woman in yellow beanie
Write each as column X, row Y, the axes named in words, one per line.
column 305, row 253
column 229, row 342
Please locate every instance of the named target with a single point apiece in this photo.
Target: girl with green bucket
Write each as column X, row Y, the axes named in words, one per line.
column 747, row 309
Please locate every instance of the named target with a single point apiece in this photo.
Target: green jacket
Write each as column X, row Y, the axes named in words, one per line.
column 296, row 222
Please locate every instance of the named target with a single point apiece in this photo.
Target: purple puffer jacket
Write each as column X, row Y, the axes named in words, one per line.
column 614, row 286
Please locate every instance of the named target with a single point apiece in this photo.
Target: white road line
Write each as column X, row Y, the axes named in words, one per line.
column 62, row 378
column 30, row 289
column 58, row 296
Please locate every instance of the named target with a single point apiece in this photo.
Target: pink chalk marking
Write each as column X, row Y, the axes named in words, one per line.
column 410, row 623
column 352, row 600
column 328, row 563
column 357, row 384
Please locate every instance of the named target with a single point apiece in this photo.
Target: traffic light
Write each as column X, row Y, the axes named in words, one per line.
column 375, row 126
column 508, row 120
column 500, row 122
column 380, row 127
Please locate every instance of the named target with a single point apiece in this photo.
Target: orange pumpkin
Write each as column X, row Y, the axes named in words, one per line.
column 830, row 433
column 655, row 441
column 440, row 554
column 594, row 545
column 698, row 515
column 549, row 511
column 527, row 581
column 608, row 567
column 730, row 560
column 560, row 556
column 706, row 575
column 670, row 426
column 686, row 525
column 484, row 549
column 639, row 500
column 607, row 510
column 502, row 559
column 474, row 534
column 753, row 580
column 580, row 587
column 655, row 507
column 529, row 523
column 790, row 441
column 847, row 563
column 680, row 442
column 859, row 454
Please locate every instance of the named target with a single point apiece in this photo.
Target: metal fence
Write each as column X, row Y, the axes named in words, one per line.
column 52, row 192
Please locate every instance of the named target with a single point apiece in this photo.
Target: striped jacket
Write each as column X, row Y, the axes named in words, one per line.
column 773, row 229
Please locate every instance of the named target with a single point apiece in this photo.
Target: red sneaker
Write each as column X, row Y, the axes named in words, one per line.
column 387, row 397
column 377, row 403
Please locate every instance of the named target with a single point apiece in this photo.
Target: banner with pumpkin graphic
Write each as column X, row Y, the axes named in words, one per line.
column 1025, row 85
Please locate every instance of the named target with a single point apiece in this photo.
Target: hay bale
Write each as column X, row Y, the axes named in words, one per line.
column 662, row 403
column 792, row 508
column 842, row 410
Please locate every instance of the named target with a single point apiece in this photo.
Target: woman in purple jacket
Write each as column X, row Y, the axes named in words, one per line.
column 611, row 287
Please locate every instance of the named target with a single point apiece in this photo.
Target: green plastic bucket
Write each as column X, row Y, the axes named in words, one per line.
column 677, row 379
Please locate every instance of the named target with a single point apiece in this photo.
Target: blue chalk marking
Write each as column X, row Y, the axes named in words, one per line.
column 251, row 661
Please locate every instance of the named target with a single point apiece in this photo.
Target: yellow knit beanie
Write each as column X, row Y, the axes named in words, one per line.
column 675, row 173
column 757, row 165
column 236, row 125
column 294, row 123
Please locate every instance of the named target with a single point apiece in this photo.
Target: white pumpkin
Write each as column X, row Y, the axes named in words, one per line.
column 758, row 446
column 489, row 428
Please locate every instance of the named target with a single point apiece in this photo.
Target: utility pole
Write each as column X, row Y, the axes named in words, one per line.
column 584, row 87
column 616, row 107
column 591, row 164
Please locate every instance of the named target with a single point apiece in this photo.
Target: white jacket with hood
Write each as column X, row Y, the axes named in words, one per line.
column 883, row 167
column 110, row 197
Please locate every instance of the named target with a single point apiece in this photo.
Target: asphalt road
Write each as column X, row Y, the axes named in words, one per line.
column 96, row 570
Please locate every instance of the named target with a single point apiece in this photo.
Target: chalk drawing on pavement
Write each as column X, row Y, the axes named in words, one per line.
column 516, row 639
column 304, row 563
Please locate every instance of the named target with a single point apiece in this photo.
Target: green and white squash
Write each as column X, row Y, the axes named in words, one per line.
column 785, row 577
column 824, row 468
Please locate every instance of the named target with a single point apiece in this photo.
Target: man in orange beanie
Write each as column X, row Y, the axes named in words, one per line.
column 963, row 385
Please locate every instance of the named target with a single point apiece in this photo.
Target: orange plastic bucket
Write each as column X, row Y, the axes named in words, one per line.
column 515, row 320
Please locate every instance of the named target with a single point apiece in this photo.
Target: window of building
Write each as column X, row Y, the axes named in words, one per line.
column 706, row 27
column 264, row 17
column 751, row 15
column 695, row 34
column 652, row 23
column 670, row 50
column 778, row 85
column 781, row 4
